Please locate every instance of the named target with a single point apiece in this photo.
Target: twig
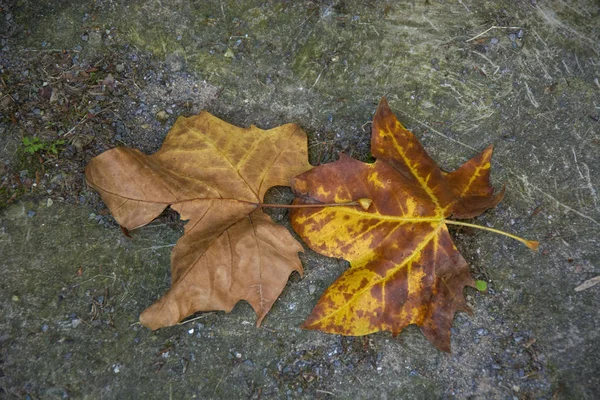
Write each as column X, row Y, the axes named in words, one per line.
column 490, row 28
column 194, row 319
column 588, row 284
column 158, row 247
column 488, row 60
column 81, row 121
column 220, row 380
column 316, row 205
column 318, row 77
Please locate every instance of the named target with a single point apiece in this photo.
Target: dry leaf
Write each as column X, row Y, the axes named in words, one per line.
column 213, row 174
column 405, row 269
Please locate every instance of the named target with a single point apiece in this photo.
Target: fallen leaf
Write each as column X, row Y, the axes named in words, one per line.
column 213, row 174
column 404, row 267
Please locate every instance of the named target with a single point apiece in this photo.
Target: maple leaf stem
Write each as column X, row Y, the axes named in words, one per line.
column 264, row 205
column 532, row 244
column 362, row 203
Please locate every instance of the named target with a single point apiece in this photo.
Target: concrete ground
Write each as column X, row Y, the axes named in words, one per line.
column 86, row 76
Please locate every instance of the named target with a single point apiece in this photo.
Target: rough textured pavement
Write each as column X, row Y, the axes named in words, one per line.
column 523, row 75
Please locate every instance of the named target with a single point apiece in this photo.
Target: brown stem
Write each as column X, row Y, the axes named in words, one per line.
column 264, row 205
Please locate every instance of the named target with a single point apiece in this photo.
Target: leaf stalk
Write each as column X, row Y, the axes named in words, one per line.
column 316, row 205
column 532, row 244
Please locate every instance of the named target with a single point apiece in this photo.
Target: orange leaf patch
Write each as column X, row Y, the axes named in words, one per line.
column 404, row 267
column 214, row 174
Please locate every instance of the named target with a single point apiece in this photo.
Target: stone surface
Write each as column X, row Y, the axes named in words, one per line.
column 73, row 286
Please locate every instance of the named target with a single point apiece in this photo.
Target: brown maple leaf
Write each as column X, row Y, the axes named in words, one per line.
column 405, row 269
column 214, row 175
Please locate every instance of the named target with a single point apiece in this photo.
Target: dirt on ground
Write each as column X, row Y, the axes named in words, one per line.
column 80, row 77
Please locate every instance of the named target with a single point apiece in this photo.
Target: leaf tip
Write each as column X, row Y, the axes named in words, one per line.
column 383, row 109
column 162, row 313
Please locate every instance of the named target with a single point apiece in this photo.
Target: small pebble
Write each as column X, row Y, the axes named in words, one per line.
column 45, row 328
column 120, row 67
column 229, row 54
column 483, row 332
column 312, row 289
column 162, row 115
column 49, row 203
column 494, row 40
column 30, row 214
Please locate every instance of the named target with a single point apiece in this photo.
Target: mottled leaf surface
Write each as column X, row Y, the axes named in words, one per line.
column 404, row 267
column 213, row 174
